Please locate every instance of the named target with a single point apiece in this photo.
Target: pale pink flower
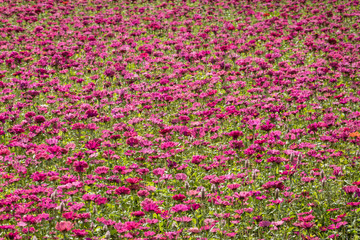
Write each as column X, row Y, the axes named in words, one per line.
column 64, row 226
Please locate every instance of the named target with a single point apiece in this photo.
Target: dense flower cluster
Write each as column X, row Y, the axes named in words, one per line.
column 179, row 119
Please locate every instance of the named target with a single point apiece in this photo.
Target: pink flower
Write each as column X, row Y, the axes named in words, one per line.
column 159, row 171
column 234, row 186
column 149, row 205
column 101, row 170
column 101, row 200
column 264, row 223
column 178, row 197
column 194, row 230
column 138, row 214
column 64, row 226
column 39, row 176
column 350, row 189
column 122, row 191
column 132, row 142
column 278, row 223
column 306, row 225
column 181, row 176
column 39, row 119
column 149, row 233
column 80, row 232
column 93, row 144
column 143, row 193
column 198, row 159
column 80, row 166
column 235, row 134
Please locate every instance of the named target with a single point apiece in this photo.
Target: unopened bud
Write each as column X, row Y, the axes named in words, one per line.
column 105, row 228
column 213, row 188
column 311, row 172
column 322, row 174
column 94, row 210
column 62, row 207
column 247, row 164
column 323, row 183
column 357, row 153
column 187, row 186
column 92, row 225
column 291, row 157
column 107, row 235
column 53, row 196
column 277, row 193
column 254, row 175
column 202, row 193
column 34, row 238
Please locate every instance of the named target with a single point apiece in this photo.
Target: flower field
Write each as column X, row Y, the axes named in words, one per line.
column 193, row 119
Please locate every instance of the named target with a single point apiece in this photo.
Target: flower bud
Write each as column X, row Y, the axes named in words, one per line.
column 34, row 238
column 254, row 175
column 202, row 193
column 277, row 193
column 357, row 153
column 94, row 210
column 187, row 186
column 291, row 157
column 213, row 188
column 105, row 228
column 107, row 235
column 62, row 207
column 322, row 174
column 53, row 196
column 247, row 164
column 323, row 183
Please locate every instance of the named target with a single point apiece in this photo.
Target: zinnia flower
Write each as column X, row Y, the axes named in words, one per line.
column 122, row 190
column 64, row 226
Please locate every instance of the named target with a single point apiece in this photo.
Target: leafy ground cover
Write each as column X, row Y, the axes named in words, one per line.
column 214, row 119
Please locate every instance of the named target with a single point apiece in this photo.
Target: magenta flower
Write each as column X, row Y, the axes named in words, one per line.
column 39, row 119
column 264, row 223
column 132, row 142
column 80, row 166
column 122, row 191
column 178, row 197
column 93, row 144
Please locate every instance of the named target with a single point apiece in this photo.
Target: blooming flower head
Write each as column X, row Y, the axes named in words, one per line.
column 64, row 226
column 80, row 166
column 122, row 191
